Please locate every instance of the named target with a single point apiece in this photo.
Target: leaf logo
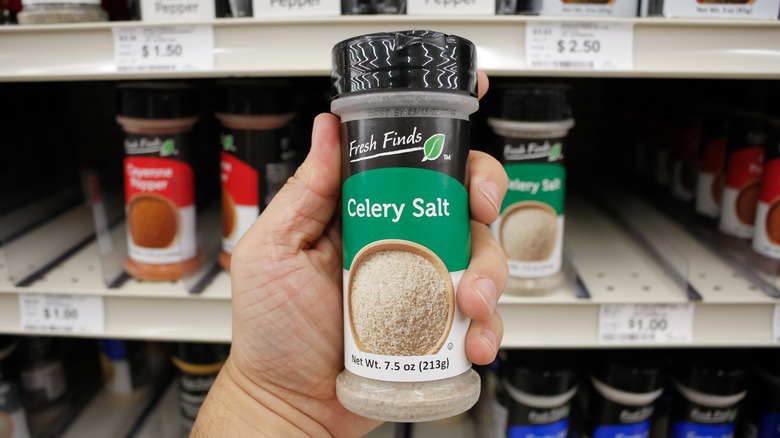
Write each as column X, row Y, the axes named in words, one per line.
column 168, row 148
column 555, row 152
column 227, row 142
column 433, row 147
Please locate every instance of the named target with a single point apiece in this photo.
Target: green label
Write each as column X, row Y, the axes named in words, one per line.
column 418, row 205
column 536, row 182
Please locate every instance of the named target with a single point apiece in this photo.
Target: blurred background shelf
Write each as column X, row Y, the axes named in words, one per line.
column 663, row 47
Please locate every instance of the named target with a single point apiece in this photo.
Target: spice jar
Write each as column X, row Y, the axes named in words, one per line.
column 763, row 413
column 540, row 386
column 370, row 7
column 624, row 388
column 531, row 123
column 404, row 99
column 686, row 151
column 159, row 182
column 198, row 365
column 61, row 11
column 13, row 419
column 709, row 387
column 126, row 374
column 766, row 236
column 744, row 168
column 43, row 375
column 712, row 163
column 253, row 115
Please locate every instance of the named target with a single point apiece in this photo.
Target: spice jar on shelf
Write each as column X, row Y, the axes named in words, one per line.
column 61, row 11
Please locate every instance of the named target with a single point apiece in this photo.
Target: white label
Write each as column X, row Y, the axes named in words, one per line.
column 776, row 325
column 616, row 8
column 182, row 249
column 451, row 7
column 706, row 203
column 167, row 11
column 163, row 48
column 690, row 8
column 762, row 243
column 646, row 323
column 245, row 216
column 729, row 221
column 296, row 8
column 579, row 45
column 62, row 313
column 449, row 361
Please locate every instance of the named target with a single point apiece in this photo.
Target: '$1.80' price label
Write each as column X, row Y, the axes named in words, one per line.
column 645, row 323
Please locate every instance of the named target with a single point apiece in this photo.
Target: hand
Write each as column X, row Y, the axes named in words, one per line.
column 286, row 274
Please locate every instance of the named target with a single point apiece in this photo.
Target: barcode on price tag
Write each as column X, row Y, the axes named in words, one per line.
column 579, row 45
column 164, row 48
column 62, row 313
column 646, row 323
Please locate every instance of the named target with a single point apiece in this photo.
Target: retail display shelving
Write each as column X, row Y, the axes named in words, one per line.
column 614, row 268
column 301, row 46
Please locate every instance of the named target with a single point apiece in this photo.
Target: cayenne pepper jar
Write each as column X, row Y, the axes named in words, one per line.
column 253, row 116
column 404, row 99
column 159, row 181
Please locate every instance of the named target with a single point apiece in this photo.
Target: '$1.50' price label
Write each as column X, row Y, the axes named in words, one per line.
column 645, row 323
column 164, row 48
column 62, row 313
column 579, row 45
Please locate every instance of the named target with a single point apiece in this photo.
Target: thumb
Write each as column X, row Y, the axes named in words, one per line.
column 299, row 213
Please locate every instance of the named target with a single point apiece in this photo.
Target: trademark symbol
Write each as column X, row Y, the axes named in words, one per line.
column 450, row 346
column 447, row 157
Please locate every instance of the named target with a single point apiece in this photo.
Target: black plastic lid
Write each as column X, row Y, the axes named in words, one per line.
column 254, row 97
column 156, row 100
column 712, row 372
column 541, row 372
column 532, row 103
column 201, row 353
column 639, row 372
column 412, row 59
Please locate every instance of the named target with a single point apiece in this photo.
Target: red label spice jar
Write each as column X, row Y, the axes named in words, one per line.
column 712, row 163
column 744, row 168
column 159, row 182
column 766, row 239
column 254, row 115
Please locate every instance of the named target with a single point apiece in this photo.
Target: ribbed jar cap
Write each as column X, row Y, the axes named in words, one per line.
column 156, row 100
column 412, row 59
column 254, row 97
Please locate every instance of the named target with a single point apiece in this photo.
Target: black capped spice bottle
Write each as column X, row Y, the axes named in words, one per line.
column 159, row 180
column 404, row 99
column 13, row 419
column 531, row 123
column 198, row 364
column 540, row 386
column 253, row 139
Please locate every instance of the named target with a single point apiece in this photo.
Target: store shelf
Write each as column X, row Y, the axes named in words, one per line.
column 613, row 266
column 297, row 47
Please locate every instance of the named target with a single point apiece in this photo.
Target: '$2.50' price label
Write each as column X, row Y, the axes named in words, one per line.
column 579, row 45
column 645, row 323
column 164, row 48
column 62, row 313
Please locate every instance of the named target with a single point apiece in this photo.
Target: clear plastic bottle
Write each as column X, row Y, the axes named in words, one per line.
column 404, row 99
column 531, row 123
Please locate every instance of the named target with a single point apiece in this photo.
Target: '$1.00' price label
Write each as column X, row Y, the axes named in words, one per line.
column 645, row 323
column 579, row 45
column 62, row 313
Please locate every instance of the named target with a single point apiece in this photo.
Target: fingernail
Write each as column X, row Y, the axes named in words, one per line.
column 490, row 338
column 492, row 193
column 487, row 291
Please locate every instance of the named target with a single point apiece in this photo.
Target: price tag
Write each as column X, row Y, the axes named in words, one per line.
column 164, row 48
column 62, row 313
column 776, row 325
column 646, row 323
column 579, row 45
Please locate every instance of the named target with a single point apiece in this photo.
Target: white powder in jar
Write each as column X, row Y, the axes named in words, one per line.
column 399, row 304
column 529, row 234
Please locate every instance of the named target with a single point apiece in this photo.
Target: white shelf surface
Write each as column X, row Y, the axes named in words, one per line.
column 614, row 268
column 663, row 47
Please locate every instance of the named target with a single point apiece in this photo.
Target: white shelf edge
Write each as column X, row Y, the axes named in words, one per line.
column 663, row 47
